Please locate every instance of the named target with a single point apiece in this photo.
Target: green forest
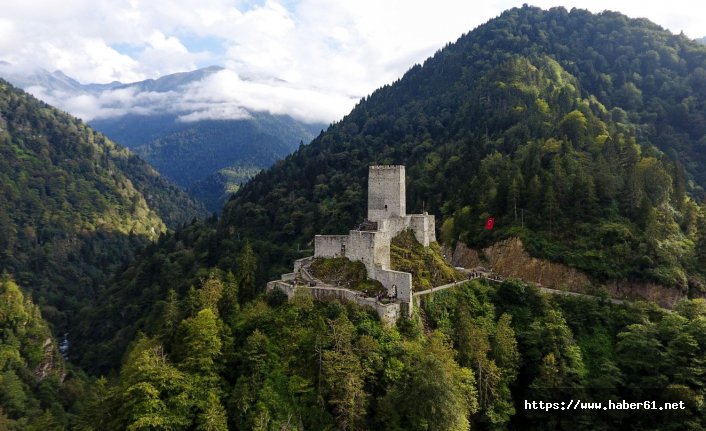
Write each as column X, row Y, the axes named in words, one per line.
column 74, row 206
column 579, row 133
column 216, row 189
column 468, row 359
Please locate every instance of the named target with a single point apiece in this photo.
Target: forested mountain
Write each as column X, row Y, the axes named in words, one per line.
column 151, row 118
column 567, row 129
column 192, row 152
column 37, row 392
column 74, row 206
column 216, row 189
column 583, row 134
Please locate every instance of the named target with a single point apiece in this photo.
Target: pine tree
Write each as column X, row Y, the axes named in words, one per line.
column 247, row 270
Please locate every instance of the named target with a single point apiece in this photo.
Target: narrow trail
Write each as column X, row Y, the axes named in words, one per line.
column 482, row 273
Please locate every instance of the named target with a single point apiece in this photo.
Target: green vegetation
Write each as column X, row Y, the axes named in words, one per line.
column 468, row 361
column 529, row 346
column 215, row 190
column 581, row 133
column 426, row 264
column 74, row 206
column 341, row 271
column 205, row 147
column 36, row 393
column 207, row 363
column 209, row 157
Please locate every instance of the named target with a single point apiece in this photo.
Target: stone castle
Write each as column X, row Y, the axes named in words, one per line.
column 370, row 242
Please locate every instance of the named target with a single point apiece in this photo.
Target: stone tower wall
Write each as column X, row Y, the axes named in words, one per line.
column 399, row 283
column 371, row 248
column 423, row 226
column 386, row 192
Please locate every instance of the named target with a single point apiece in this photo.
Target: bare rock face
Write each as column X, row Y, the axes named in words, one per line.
column 667, row 297
column 510, row 259
column 464, row 256
column 51, row 363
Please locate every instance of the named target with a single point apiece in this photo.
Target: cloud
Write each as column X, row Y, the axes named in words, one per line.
column 220, row 96
column 223, row 111
column 227, row 89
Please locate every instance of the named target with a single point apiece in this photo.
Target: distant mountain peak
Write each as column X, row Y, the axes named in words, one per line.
column 174, row 80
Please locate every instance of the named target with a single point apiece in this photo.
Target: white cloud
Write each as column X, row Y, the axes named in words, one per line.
column 228, row 89
column 164, row 55
column 223, row 111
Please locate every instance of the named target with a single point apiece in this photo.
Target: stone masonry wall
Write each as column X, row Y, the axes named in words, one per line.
column 362, row 248
column 388, row 313
column 393, row 226
column 386, row 192
column 423, row 226
column 329, row 245
column 396, row 282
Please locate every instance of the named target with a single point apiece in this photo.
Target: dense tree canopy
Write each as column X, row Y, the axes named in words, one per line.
column 73, row 205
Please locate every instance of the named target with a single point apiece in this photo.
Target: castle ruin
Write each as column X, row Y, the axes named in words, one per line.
column 370, row 242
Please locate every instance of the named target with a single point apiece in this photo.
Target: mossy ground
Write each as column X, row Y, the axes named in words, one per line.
column 426, row 264
column 340, row 271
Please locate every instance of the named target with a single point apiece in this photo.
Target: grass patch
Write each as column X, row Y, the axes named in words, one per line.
column 340, row 271
column 426, row 264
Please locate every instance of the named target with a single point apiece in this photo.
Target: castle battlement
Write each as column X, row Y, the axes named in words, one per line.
column 385, row 167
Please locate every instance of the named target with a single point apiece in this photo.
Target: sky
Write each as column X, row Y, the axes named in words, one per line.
column 312, row 59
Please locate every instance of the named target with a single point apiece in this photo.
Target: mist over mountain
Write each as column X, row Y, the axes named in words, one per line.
column 187, row 132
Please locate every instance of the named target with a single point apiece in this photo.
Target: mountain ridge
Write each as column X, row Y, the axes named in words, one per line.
column 162, row 133
column 75, row 206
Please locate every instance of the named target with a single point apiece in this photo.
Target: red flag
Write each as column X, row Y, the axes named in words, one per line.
column 490, row 223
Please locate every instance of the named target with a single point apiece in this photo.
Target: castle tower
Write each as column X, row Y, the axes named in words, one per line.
column 386, row 192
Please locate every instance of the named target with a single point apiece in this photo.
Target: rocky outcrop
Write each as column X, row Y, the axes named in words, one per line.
column 510, row 259
column 463, row 256
column 51, row 363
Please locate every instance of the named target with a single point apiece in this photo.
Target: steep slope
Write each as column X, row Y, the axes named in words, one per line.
column 189, row 153
column 580, row 133
column 163, row 121
column 73, row 205
column 201, row 149
column 215, row 190
column 35, row 393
